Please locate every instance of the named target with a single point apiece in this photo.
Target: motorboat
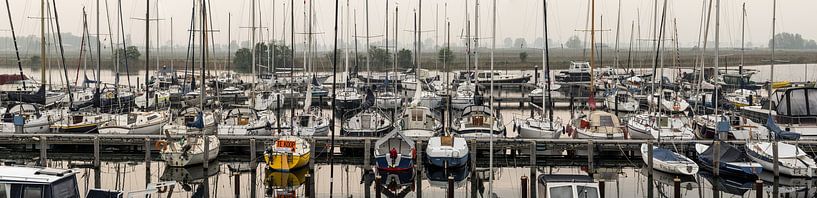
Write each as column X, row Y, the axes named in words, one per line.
column 742, row 97
column 668, row 100
column 564, row 185
column 597, row 125
column 668, row 161
column 141, row 123
column 394, row 152
column 479, row 121
column 485, row 77
column 29, row 117
column 41, row 182
column 578, row 72
column 794, row 109
column 661, row 126
column 418, row 121
column 733, row 161
column 288, row 153
column 245, row 121
column 447, row 151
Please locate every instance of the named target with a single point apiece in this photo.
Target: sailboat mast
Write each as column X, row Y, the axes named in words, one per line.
column 62, row 54
column 147, row 52
column 546, row 66
column 493, row 47
column 368, row 55
column 252, row 28
column 717, row 49
column 44, row 56
column 16, row 49
column 98, row 49
column 334, row 95
column 592, row 45
column 742, row 38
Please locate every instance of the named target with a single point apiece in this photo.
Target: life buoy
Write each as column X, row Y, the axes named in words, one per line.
column 109, row 94
column 160, row 145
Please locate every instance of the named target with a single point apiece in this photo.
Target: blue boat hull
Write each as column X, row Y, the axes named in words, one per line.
column 452, row 161
column 405, row 163
column 726, row 169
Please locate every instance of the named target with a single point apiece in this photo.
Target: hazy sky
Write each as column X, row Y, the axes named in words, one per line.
column 515, row 18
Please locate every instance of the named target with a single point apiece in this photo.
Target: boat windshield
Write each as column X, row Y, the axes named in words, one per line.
column 561, row 192
column 66, row 187
column 587, row 191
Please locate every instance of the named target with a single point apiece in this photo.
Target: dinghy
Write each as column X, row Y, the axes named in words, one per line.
column 733, row 162
column 668, row 161
column 288, row 153
column 394, row 152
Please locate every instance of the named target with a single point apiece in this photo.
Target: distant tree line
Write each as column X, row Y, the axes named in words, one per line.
column 787, row 40
column 281, row 54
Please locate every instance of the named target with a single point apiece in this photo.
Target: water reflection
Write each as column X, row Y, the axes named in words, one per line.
column 396, row 183
column 284, row 184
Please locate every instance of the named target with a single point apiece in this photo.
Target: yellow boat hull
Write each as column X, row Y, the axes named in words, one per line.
column 286, row 162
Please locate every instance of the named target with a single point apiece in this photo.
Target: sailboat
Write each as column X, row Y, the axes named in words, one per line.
column 368, row 123
column 668, row 161
column 245, row 121
column 418, row 121
column 179, row 121
column 29, row 117
column 464, row 95
column 541, row 126
column 142, row 123
column 621, row 101
column 394, row 152
column 479, row 121
column 661, row 126
column 668, row 100
column 732, row 162
column 288, row 153
column 310, row 122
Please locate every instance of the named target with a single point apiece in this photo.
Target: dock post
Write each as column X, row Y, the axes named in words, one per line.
column 649, row 169
column 43, row 151
column 96, row 152
column 308, row 185
column 237, row 185
column 590, row 166
column 474, row 179
column 775, row 153
column 147, row 161
column 367, row 154
column 676, row 183
column 377, row 187
column 253, row 164
column 533, row 175
column 450, row 192
column 524, row 186
column 419, row 170
column 601, row 189
column 716, row 162
column 759, row 188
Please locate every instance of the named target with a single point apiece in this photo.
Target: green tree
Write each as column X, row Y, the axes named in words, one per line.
column 242, row 60
column 283, row 55
column 573, row 42
column 404, row 59
column 34, row 60
column 787, row 40
column 523, row 56
column 445, row 54
column 131, row 54
column 380, row 58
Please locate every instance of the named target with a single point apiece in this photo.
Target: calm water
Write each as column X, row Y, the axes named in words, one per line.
column 627, row 180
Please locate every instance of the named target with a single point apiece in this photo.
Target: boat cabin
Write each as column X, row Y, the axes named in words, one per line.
column 567, row 186
column 20, row 181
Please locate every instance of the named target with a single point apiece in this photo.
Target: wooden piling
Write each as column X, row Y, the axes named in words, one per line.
column 524, row 184
column 590, row 154
column 450, row 191
column 253, row 151
column 676, row 183
column 237, row 186
column 367, row 154
column 308, row 185
column 96, row 152
column 147, row 161
column 377, row 180
column 759, row 188
column 533, row 175
column 717, row 160
column 602, row 189
column 43, row 151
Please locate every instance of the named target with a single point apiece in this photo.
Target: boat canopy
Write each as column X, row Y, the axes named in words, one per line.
column 728, row 153
column 796, row 102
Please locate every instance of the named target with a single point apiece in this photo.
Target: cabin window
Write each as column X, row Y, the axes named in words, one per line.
column 561, row 192
column 663, row 121
column 587, row 192
column 5, row 190
column 152, row 117
column 33, row 192
column 65, row 188
column 606, row 121
column 416, row 115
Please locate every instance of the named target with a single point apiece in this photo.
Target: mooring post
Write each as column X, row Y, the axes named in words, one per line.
column 43, row 151
column 590, row 166
column 147, row 161
column 533, row 175
column 419, row 169
column 237, row 186
column 524, row 185
column 377, row 187
column 717, row 160
column 601, row 188
column 759, row 188
column 96, row 152
column 367, row 154
column 450, row 190
column 676, row 183
column 308, row 185
column 253, row 151
column 474, row 180
column 649, row 169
